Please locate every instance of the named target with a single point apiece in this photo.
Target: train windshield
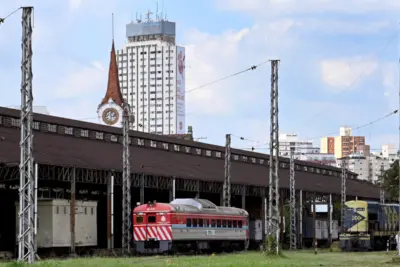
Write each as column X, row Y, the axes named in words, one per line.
column 139, row 219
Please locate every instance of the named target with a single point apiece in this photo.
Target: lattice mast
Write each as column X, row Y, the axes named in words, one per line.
column 126, row 180
column 382, row 186
column 343, row 192
column 26, row 237
column 293, row 228
column 226, row 194
column 272, row 240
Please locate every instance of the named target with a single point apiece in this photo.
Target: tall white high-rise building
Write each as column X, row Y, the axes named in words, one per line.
column 151, row 71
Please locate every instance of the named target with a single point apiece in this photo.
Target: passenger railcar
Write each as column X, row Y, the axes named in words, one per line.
column 189, row 225
column 369, row 225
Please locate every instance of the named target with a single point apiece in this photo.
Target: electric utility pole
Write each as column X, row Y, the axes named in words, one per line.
column 226, row 195
column 126, row 180
column 293, row 230
column 26, row 236
column 272, row 239
column 382, row 186
column 343, row 192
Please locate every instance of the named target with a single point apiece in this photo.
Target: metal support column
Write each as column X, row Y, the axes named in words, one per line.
column 314, row 224
column 382, row 185
column 330, row 221
column 226, row 197
column 244, row 188
column 293, row 225
column 142, row 188
column 272, row 240
column 110, row 211
column 26, row 236
column 301, row 219
column 36, row 203
column 198, row 189
column 173, row 189
column 126, row 181
column 266, row 221
column 343, row 193
column 73, row 211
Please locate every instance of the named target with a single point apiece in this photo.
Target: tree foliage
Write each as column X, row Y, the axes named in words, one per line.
column 391, row 181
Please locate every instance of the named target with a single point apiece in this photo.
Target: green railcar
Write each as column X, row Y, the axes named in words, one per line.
column 369, row 225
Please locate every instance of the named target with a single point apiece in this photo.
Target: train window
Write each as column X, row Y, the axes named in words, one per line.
column 151, row 219
column 213, row 223
column 188, row 222
column 194, row 222
column 229, row 224
column 240, row 224
column 200, row 222
column 205, row 224
column 139, row 219
column 218, row 223
column 234, row 223
column 224, row 223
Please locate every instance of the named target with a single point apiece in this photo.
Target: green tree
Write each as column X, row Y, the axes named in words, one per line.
column 391, row 181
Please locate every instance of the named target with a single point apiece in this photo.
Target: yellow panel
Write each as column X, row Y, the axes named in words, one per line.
column 360, row 214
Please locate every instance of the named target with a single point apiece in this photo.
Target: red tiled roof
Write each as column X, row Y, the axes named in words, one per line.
column 113, row 87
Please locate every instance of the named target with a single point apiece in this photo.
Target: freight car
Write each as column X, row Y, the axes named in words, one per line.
column 368, row 225
column 189, row 225
column 257, row 231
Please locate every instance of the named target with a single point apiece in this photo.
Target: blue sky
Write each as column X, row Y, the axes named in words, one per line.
column 338, row 62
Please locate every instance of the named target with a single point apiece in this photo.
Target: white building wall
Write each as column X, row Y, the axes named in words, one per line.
column 288, row 140
column 359, row 166
column 320, row 158
column 148, row 80
column 389, row 150
column 368, row 167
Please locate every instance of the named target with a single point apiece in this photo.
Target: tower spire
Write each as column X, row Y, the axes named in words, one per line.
column 113, row 88
column 112, row 25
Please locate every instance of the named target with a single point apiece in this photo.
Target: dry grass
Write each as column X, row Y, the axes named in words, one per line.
column 303, row 258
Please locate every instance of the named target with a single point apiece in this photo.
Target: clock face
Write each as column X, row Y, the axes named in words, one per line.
column 110, row 116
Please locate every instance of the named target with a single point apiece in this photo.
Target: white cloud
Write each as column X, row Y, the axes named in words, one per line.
column 80, row 80
column 390, row 83
column 211, row 57
column 346, row 72
column 284, row 7
column 74, row 4
column 208, row 59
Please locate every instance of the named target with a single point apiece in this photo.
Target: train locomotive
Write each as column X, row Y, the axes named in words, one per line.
column 369, row 225
column 186, row 225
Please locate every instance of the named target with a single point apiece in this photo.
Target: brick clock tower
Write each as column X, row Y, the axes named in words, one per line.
column 110, row 109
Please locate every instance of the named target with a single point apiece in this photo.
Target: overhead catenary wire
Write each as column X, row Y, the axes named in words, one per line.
column 10, row 14
column 226, row 77
column 253, row 67
column 330, row 134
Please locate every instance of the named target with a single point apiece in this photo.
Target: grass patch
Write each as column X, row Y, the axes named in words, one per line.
column 251, row 259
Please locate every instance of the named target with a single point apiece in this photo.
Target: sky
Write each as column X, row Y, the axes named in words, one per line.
column 338, row 63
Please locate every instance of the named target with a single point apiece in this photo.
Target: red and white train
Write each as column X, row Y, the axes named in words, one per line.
column 189, row 225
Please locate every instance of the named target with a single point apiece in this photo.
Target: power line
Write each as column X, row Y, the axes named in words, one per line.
column 12, row 13
column 358, row 77
column 330, row 134
column 226, row 77
column 253, row 67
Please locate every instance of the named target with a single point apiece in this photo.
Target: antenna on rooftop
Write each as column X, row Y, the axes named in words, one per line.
column 157, row 17
column 162, row 10
column 148, row 15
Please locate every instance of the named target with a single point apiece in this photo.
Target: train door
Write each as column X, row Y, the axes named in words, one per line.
column 151, row 227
